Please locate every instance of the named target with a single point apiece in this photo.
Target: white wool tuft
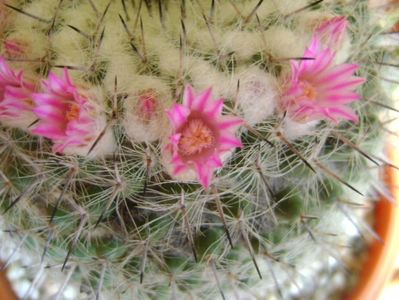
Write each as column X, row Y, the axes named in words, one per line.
column 169, row 57
column 138, row 129
column 70, row 51
column 32, row 43
column 258, row 95
column 124, row 67
column 284, row 43
column 204, row 75
column 41, row 8
column 244, row 44
column 289, row 6
column 293, row 130
column 344, row 51
column 23, row 122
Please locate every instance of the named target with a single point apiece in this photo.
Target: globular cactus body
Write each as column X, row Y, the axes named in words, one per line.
column 135, row 179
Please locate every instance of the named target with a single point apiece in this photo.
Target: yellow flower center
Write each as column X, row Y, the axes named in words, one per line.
column 72, row 112
column 309, row 91
column 195, row 138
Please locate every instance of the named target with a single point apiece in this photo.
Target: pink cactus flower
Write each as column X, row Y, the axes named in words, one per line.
column 318, row 89
column 15, row 97
column 201, row 135
column 67, row 116
column 332, row 31
column 147, row 105
column 14, row 47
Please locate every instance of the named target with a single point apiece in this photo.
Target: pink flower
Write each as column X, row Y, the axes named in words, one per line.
column 319, row 89
column 201, row 135
column 14, row 47
column 332, row 31
column 67, row 117
column 15, row 97
column 144, row 117
column 147, row 105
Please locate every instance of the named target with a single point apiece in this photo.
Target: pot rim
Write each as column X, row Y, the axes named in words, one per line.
column 379, row 267
column 6, row 290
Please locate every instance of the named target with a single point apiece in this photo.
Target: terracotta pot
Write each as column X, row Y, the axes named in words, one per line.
column 380, row 263
column 6, row 291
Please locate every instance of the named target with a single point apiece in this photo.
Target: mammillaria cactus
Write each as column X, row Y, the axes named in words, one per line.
column 189, row 149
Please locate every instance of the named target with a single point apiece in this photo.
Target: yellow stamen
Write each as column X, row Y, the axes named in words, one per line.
column 196, row 137
column 72, row 112
column 309, row 91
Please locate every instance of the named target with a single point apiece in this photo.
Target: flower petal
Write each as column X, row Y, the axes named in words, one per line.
column 204, row 174
column 188, row 97
column 229, row 142
column 201, row 102
column 230, row 122
column 65, row 115
column 207, row 135
column 215, row 108
column 318, row 88
column 178, row 115
column 337, row 73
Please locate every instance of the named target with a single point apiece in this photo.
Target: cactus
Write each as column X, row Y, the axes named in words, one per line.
column 123, row 174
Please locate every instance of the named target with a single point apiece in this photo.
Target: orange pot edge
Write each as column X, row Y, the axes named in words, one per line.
column 381, row 260
column 6, row 291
